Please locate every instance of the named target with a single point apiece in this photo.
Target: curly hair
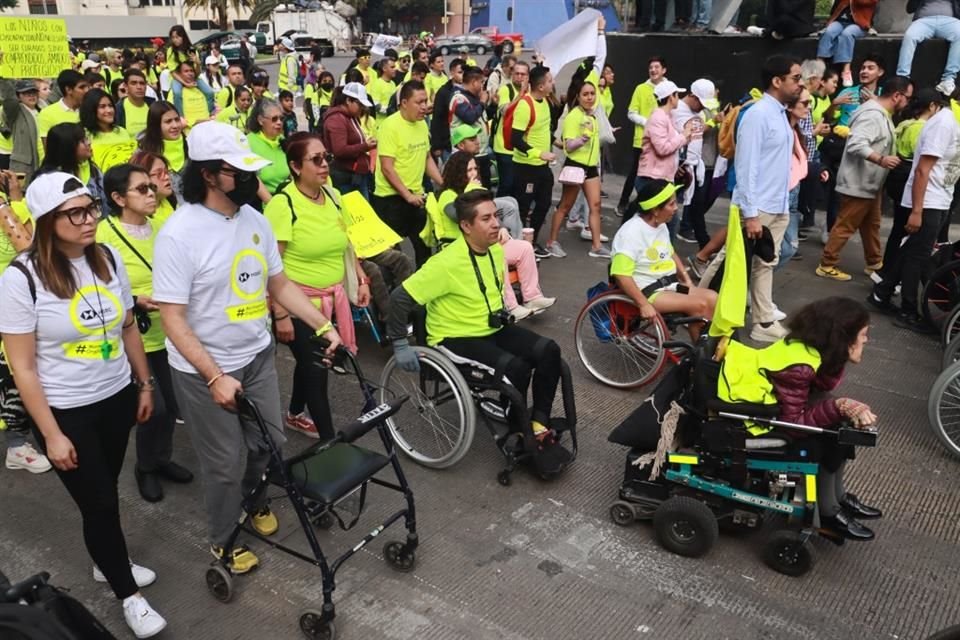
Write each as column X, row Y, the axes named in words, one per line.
column 830, row 326
column 455, row 171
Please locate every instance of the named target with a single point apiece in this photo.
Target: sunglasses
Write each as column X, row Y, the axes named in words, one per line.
column 319, row 159
column 273, row 118
column 78, row 215
column 237, row 175
column 143, row 188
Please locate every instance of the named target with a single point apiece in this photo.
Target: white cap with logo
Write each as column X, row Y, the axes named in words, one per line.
column 706, row 92
column 665, row 89
column 357, row 91
column 211, row 60
column 220, row 141
column 50, row 190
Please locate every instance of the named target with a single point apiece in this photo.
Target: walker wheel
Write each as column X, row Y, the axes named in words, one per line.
column 622, row 513
column 788, row 553
column 314, row 627
column 220, row 583
column 325, row 521
column 504, row 478
column 399, row 557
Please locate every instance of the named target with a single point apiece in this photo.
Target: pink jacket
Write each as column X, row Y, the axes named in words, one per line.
column 661, row 142
column 798, row 161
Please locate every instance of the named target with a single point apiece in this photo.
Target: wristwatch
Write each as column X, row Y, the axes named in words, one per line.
column 149, row 382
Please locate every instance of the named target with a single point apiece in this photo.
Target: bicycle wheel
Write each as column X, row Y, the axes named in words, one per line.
column 435, row 428
column 618, row 346
column 943, row 408
column 951, row 327
column 941, row 293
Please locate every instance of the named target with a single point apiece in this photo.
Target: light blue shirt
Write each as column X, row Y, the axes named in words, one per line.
column 762, row 161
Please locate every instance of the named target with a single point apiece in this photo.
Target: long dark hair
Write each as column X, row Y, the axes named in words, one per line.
column 181, row 53
column 455, row 171
column 573, row 93
column 62, row 142
column 152, row 139
column 89, row 108
column 829, row 325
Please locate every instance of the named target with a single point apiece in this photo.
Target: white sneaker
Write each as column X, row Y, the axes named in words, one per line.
column 141, row 618
column 602, row 252
column 777, row 314
column 574, row 225
column 586, row 234
column 824, row 237
column 520, row 312
column 774, row 332
column 946, row 87
column 539, row 304
column 141, row 575
column 555, row 250
column 755, row 30
column 26, row 457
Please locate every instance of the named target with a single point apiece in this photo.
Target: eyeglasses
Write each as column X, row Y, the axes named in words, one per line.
column 796, row 77
column 78, row 215
column 237, row 175
column 276, row 118
column 321, row 158
column 143, row 188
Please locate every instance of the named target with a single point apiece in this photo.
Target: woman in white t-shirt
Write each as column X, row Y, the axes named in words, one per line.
column 645, row 266
column 70, row 336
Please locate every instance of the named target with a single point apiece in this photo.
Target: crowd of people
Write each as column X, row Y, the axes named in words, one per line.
column 178, row 219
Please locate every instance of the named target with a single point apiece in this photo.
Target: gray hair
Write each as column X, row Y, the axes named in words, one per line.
column 258, row 109
column 812, row 69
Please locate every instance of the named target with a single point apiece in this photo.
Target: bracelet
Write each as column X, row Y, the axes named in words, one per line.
column 219, row 375
column 149, row 382
column 322, row 330
column 364, row 281
column 275, row 319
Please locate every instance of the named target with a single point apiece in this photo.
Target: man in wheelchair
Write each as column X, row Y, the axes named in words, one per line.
column 462, row 289
column 647, row 269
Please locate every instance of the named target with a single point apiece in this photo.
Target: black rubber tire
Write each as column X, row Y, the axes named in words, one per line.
column 950, row 633
column 622, row 513
column 951, row 328
column 313, row 628
column 685, row 526
column 941, row 293
column 481, row 50
column 508, row 46
column 787, row 553
column 504, row 479
column 325, row 521
column 219, row 583
column 444, row 51
column 399, row 557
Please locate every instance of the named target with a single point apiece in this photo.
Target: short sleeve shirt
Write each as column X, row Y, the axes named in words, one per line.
column 940, row 138
column 647, row 248
column 54, row 114
column 408, row 143
column 536, row 123
column 577, row 124
column 222, row 283
column 80, row 354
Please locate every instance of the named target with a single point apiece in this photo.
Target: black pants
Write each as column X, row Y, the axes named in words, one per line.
column 910, row 261
column 809, row 193
column 524, row 352
column 630, row 179
column 99, row 433
column 892, row 250
column 483, row 168
column 155, row 436
column 695, row 214
column 651, row 14
column 533, row 186
column 310, row 379
column 505, row 173
column 404, row 218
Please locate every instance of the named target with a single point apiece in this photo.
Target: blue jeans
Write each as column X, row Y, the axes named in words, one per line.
column 838, row 40
column 791, row 237
column 704, row 13
column 933, row 27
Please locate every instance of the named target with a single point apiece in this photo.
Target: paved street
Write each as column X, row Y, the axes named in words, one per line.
column 543, row 560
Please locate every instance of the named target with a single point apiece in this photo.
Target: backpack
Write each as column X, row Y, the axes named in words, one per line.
column 19, row 266
column 496, row 115
column 727, row 136
column 507, row 121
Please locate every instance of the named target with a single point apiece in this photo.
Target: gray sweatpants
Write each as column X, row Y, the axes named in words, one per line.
column 222, row 439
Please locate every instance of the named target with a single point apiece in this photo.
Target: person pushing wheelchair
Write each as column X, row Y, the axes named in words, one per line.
column 462, row 290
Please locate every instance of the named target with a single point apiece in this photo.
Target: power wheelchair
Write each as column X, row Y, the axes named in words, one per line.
column 436, row 428
column 712, row 473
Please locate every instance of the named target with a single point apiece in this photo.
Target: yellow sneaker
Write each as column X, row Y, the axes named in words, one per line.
column 265, row 522
column 242, row 559
column 832, row 272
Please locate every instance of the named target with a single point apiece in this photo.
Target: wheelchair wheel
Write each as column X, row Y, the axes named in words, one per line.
column 313, row 627
column 616, row 345
column 941, row 293
column 685, row 526
column 788, row 553
column 943, row 408
column 622, row 513
column 951, row 327
column 436, row 427
column 951, row 354
column 220, row 583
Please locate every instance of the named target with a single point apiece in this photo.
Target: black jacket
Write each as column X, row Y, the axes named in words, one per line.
column 440, row 123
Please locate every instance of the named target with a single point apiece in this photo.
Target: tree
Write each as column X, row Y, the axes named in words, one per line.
column 219, row 8
column 8, row 4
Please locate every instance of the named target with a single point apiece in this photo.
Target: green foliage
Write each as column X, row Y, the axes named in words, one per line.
column 8, row 4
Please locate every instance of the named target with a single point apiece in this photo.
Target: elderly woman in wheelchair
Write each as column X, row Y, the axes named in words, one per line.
column 741, row 435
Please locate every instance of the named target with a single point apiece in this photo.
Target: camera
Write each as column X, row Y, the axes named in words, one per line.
column 143, row 319
column 500, row 319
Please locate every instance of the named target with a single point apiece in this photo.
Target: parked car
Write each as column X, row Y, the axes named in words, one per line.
column 510, row 41
column 304, row 42
column 472, row 42
column 225, row 37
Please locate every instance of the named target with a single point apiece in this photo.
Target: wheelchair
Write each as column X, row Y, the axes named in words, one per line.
column 714, row 474
column 438, row 426
column 943, row 407
column 617, row 345
column 317, row 482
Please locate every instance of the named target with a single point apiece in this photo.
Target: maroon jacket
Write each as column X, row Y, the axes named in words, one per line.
column 793, row 385
column 342, row 137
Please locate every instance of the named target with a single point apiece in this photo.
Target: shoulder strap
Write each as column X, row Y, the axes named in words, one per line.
column 19, row 266
column 110, row 258
column 126, row 242
column 293, row 214
column 533, row 112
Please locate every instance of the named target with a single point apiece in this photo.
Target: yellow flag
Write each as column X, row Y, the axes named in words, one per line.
column 731, row 306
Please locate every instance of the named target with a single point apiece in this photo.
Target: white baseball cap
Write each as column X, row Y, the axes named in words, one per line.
column 211, row 60
column 357, row 91
column 50, row 190
column 88, row 64
column 221, row 141
column 287, row 43
column 665, row 89
column 706, row 92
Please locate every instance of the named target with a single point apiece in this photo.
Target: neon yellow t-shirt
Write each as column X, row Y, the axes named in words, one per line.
column 232, row 116
column 223, row 96
column 643, row 102
column 538, row 135
column 606, row 99
column 54, row 114
column 577, row 124
column 195, row 108
column 449, row 229
column 408, row 143
column 135, row 117
column 380, row 92
column 173, row 151
column 163, row 212
column 7, row 252
column 113, row 148
column 447, row 285
column 433, row 82
column 316, row 242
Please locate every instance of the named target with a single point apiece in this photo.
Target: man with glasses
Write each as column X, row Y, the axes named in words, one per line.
column 212, row 299
column 868, row 157
column 762, row 164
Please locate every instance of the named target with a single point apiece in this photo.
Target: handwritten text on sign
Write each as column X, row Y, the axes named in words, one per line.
column 33, row 47
column 368, row 234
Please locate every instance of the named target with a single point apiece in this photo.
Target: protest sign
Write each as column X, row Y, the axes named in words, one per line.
column 383, row 42
column 33, row 47
column 368, row 234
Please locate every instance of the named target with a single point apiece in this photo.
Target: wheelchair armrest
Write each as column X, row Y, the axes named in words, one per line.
column 848, row 435
column 370, row 420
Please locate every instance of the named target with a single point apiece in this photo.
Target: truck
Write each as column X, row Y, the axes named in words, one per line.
column 511, row 41
column 326, row 21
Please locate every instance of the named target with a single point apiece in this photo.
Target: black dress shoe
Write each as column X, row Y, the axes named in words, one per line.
column 175, row 473
column 149, row 485
column 857, row 509
column 844, row 525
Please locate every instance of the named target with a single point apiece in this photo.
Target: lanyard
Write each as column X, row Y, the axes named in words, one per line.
column 483, row 287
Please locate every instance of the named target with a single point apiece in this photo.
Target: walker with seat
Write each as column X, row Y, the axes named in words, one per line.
column 708, row 471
